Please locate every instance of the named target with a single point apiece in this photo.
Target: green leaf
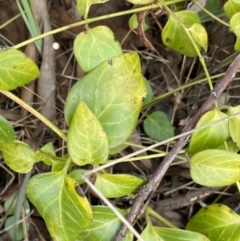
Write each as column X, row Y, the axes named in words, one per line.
column 218, row 222
column 64, row 211
column 87, row 141
column 151, row 233
column 234, row 124
column 18, row 156
column 84, row 5
column 117, row 185
column 212, row 136
column 7, row 133
column 113, row 92
column 95, row 46
column 199, row 34
column 104, row 226
column 10, row 204
column 215, row 168
column 16, row 69
column 133, row 23
column 76, row 175
column 174, row 36
column 158, row 126
column 231, row 7
column 237, row 44
column 235, row 23
column 231, row 146
column 149, row 96
column 11, row 231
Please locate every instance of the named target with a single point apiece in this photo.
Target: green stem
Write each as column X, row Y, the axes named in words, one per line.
column 161, row 219
column 35, row 113
column 91, row 20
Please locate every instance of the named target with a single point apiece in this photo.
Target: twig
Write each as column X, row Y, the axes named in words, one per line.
column 155, row 180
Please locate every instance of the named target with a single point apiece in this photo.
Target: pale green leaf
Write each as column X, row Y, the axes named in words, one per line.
column 158, row 126
column 117, row 185
column 95, row 46
column 142, row 2
column 7, row 133
column 212, row 136
column 149, row 96
column 218, row 222
column 234, row 124
column 199, row 34
column 114, row 92
column 87, row 141
column 18, row 156
column 215, row 168
column 151, row 233
column 16, row 69
column 231, row 7
column 174, row 36
column 64, row 211
column 235, row 24
column 104, row 226
column 84, row 5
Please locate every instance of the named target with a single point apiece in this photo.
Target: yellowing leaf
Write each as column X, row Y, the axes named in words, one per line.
column 215, row 168
column 212, row 136
column 18, row 156
column 16, row 69
column 199, row 34
column 218, row 222
column 64, row 211
column 87, row 141
column 114, row 93
column 117, row 185
column 95, row 46
column 174, row 36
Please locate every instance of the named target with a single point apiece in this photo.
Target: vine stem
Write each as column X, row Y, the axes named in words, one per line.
column 149, row 188
column 91, row 20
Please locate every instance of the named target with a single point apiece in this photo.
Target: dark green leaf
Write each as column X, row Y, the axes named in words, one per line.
column 158, row 126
